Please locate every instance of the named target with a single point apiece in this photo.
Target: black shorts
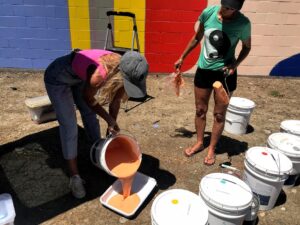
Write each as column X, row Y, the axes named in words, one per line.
column 205, row 79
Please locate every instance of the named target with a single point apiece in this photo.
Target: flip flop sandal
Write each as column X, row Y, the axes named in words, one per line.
column 189, row 153
column 209, row 161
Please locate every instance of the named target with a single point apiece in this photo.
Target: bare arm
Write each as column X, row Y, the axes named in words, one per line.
column 195, row 40
column 114, row 106
column 91, row 87
column 246, row 48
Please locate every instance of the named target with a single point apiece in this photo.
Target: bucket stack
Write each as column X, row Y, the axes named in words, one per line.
column 269, row 169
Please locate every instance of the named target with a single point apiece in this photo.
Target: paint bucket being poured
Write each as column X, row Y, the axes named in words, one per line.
column 120, row 156
column 116, row 153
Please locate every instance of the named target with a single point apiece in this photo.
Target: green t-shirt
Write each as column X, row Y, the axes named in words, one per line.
column 221, row 38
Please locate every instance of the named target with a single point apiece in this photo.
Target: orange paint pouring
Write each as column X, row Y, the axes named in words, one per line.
column 123, row 162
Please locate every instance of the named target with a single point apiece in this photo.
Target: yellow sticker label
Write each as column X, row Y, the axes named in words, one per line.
column 175, row 201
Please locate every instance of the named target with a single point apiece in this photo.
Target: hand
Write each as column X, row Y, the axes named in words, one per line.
column 178, row 64
column 113, row 128
column 229, row 69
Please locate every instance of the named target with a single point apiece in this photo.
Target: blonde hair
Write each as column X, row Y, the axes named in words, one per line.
column 114, row 80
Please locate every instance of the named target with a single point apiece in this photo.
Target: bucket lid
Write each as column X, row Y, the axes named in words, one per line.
column 286, row 143
column 177, row 207
column 226, row 192
column 38, row 101
column 269, row 161
column 292, row 126
column 243, row 103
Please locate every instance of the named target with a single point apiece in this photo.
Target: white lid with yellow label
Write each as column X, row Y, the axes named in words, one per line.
column 177, row 207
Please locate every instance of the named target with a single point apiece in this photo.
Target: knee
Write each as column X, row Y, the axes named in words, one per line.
column 219, row 117
column 201, row 112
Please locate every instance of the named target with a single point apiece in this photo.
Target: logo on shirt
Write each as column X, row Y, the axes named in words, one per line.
column 216, row 44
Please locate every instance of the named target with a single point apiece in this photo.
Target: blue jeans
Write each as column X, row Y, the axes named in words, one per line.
column 64, row 98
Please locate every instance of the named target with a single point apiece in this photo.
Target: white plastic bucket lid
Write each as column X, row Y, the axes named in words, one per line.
column 242, row 103
column 269, row 161
column 225, row 192
column 286, row 143
column 291, row 126
column 179, row 207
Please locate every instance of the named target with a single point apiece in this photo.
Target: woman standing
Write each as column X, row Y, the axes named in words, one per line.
column 221, row 27
column 75, row 79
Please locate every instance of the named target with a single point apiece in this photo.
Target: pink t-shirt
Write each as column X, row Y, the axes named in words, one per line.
column 84, row 58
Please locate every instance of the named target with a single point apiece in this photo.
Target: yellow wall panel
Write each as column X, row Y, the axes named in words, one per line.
column 79, row 23
column 123, row 38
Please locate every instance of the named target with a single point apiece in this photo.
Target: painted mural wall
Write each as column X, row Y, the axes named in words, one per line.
column 34, row 32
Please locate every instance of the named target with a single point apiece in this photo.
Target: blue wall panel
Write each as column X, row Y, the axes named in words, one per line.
column 33, row 32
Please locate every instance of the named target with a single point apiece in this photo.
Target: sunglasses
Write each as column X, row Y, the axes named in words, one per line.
column 228, row 8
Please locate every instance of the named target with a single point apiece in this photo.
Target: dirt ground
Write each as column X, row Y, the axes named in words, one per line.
column 33, row 172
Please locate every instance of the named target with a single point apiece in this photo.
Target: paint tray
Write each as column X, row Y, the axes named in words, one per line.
column 142, row 185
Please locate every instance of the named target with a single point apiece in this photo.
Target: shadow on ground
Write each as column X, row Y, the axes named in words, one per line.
column 225, row 145
column 33, row 171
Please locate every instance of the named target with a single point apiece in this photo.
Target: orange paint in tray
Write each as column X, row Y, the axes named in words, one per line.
column 123, row 163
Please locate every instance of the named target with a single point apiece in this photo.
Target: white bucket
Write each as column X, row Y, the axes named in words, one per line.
column 290, row 126
column 100, row 149
column 265, row 172
column 289, row 145
column 228, row 198
column 7, row 210
column 178, row 207
column 251, row 216
column 238, row 115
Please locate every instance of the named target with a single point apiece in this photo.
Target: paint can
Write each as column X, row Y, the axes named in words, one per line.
column 291, row 127
column 177, row 207
column 7, row 210
column 289, row 145
column 265, row 172
column 251, row 216
column 228, row 198
column 238, row 115
column 114, row 150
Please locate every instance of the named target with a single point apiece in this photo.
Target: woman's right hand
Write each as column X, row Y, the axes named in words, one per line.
column 178, row 63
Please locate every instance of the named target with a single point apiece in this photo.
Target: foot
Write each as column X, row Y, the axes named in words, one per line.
column 77, row 188
column 210, row 159
column 190, row 151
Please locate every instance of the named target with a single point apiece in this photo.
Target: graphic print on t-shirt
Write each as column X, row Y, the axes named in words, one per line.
column 216, row 44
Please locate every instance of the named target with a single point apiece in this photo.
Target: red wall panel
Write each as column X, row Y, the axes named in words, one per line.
column 169, row 27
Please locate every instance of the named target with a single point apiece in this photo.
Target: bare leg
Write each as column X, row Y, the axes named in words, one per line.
column 201, row 103
column 217, row 129
column 73, row 169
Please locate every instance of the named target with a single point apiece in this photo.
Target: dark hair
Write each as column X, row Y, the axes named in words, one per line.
column 235, row 4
